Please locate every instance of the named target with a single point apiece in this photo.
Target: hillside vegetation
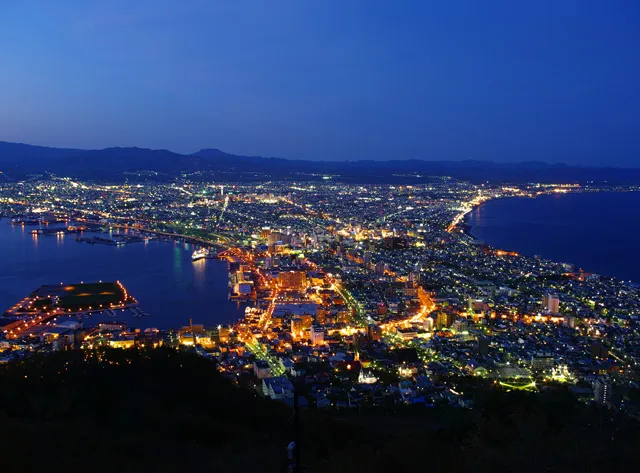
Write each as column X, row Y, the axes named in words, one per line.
column 166, row 410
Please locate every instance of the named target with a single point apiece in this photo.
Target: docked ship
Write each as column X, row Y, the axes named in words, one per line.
column 200, row 254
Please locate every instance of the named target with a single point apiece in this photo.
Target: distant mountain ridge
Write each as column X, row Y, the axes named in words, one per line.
column 18, row 160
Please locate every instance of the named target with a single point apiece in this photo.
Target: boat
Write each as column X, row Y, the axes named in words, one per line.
column 199, row 254
column 137, row 312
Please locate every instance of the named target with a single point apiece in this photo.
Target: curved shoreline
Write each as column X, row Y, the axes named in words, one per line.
column 469, row 229
column 184, row 290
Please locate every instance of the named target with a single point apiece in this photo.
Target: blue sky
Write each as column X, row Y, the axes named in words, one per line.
column 505, row 80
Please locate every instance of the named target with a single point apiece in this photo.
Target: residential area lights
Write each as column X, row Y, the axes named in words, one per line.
column 360, row 293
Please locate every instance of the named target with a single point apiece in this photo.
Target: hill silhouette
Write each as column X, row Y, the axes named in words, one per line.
column 167, row 410
column 116, row 164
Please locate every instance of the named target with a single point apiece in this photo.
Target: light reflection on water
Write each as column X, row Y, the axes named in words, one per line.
column 160, row 275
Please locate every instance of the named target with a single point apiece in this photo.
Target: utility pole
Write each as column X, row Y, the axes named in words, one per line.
column 293, row 449
column 296, row 410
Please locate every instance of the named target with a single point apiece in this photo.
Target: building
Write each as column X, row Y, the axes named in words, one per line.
column 242, row 289
column 307, row 320
column 551, row 303
column 321, row 315
column 223, row 333
column 460, row 325
column 542, row 362
column 296, row 326
column 317, row 335
column 407, row 333
column 292, row 280
column 380, row 268
column 411, row 288
column 274, row 238
column 261, row 369
column 122, row 342
column 428, row 324
column 374, row 332
column 344, row 316
column 394, row 243
column 277, row 387
column 112, row 326
column 444, row 320
column 278, row 238
column 602, row 391
column 569, row 321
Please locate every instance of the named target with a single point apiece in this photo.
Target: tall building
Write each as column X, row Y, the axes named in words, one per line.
column 602, row 391
column 380, row 268
column 317, row 335
column 444, row 320
column 321, row 315
column 551, row 303
column 296, row 326
column 428, row 324
column 278, row 238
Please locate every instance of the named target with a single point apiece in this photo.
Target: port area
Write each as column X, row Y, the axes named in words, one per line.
column 246, row 283
column 116, row 240
column 58, row 231
column 79, row 228
column 51, row 301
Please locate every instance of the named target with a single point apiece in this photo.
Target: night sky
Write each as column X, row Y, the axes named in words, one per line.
column 510, row 80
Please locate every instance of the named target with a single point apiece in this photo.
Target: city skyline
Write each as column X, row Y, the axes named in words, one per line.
column 497, row 82
column 320, row 236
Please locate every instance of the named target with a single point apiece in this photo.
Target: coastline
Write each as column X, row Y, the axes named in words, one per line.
column 468, row 227
column 178, row 290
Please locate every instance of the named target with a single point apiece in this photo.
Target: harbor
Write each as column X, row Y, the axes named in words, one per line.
column 49, row 302
column 159, row 271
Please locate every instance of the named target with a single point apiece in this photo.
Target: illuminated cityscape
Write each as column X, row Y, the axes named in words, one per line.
column 359, row 294
column 319, row 236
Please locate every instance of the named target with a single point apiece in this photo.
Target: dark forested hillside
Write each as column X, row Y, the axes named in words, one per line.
column 165, row 410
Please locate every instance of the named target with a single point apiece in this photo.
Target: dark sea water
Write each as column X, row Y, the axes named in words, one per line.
column 598, row 232
column 160, row 275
